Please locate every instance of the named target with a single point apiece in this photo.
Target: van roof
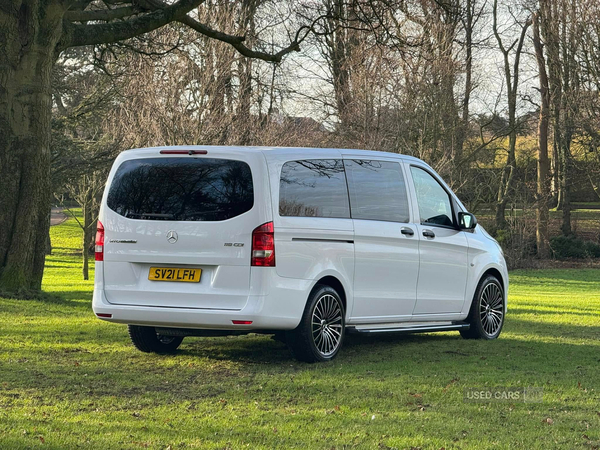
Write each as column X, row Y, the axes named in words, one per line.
column 283, row 150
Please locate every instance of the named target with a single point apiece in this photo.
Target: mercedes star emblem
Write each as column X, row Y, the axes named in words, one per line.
column 172, row 237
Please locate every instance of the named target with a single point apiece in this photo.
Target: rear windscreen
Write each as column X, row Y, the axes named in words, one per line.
column 186, row 189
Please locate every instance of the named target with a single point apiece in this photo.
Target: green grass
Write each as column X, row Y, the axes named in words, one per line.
column 68, row 380
column 586, row 205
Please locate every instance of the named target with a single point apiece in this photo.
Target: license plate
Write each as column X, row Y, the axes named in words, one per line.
column 174, row 274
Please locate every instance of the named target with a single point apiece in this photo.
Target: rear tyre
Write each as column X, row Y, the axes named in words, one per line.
column 147, row 340
column 320, row 334
column 486, row 316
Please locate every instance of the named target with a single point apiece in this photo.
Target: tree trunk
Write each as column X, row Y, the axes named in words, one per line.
column 342, row 45
column 543, row 167
column 506, row 184
column 245, row 74
column 501, row 214
column 565, row 160
column 511, row 77
column 555, row 172
column 29, row 40
column 87, row 231
column 549, row 21
column 464, row 128
column 49, row 239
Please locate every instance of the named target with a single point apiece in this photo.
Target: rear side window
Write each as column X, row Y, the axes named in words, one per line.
column 313, row 188
column 377, row 190
column 185, row 189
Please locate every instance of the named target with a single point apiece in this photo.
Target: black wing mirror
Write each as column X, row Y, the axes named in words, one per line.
column 466, row 221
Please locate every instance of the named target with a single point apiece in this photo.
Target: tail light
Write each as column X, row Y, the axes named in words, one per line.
column 99, row 255
column 263, row 246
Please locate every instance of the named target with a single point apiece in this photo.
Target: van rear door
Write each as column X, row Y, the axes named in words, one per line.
column 178, row 228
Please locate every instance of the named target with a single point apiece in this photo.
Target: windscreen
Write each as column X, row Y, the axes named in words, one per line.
column 181, row 189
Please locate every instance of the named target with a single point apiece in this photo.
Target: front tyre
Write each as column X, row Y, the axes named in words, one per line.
column 147, row 340
column 486, row 316
column 320, row 334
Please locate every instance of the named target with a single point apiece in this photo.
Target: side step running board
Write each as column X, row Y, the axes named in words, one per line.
column 408, row 329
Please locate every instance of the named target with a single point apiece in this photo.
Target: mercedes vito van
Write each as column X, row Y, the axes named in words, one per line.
column 305, row 243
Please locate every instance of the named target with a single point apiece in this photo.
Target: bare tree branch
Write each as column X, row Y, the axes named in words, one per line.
column 79, row 5
column 106, row 33
column 237, row 41
column 102, row 14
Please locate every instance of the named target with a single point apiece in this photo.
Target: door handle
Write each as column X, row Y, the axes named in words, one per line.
column 407, row 231
column 428, row 234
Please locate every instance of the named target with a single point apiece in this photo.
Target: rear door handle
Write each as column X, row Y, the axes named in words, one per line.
column 407, row 231
column 428, row 234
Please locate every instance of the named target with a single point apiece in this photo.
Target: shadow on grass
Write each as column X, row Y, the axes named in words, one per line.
column 70, row 299
column 58, row 266
column 207, row 367
column 69, row 261
column 259, row 349
column 63, row 251
column 557, row 330
column 554, row 312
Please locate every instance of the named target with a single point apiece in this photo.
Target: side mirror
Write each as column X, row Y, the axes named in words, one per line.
column 466, row 221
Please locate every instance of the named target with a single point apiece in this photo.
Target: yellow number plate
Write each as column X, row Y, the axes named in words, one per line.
column 174, row 274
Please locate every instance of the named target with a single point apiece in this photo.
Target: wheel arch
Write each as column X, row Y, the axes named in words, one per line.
column 496, row 273
column 335, row 283
column 490, row 269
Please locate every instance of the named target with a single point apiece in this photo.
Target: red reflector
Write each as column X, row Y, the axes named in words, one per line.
column 263, row 246
column 242, row 322
column 106, row 316
column 184, row 152
column 99, row 250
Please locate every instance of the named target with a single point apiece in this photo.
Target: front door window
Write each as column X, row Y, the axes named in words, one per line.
column 434, row 203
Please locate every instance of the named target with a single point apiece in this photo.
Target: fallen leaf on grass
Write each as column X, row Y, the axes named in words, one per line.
column 454, row 380
column 548, row 420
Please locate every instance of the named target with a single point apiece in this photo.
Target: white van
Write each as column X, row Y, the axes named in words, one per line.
column 304, row 243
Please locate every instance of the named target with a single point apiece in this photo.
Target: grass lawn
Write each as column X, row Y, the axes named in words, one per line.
column 68, row 380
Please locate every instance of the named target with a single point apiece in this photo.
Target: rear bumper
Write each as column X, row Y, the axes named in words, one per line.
column 267, row 312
